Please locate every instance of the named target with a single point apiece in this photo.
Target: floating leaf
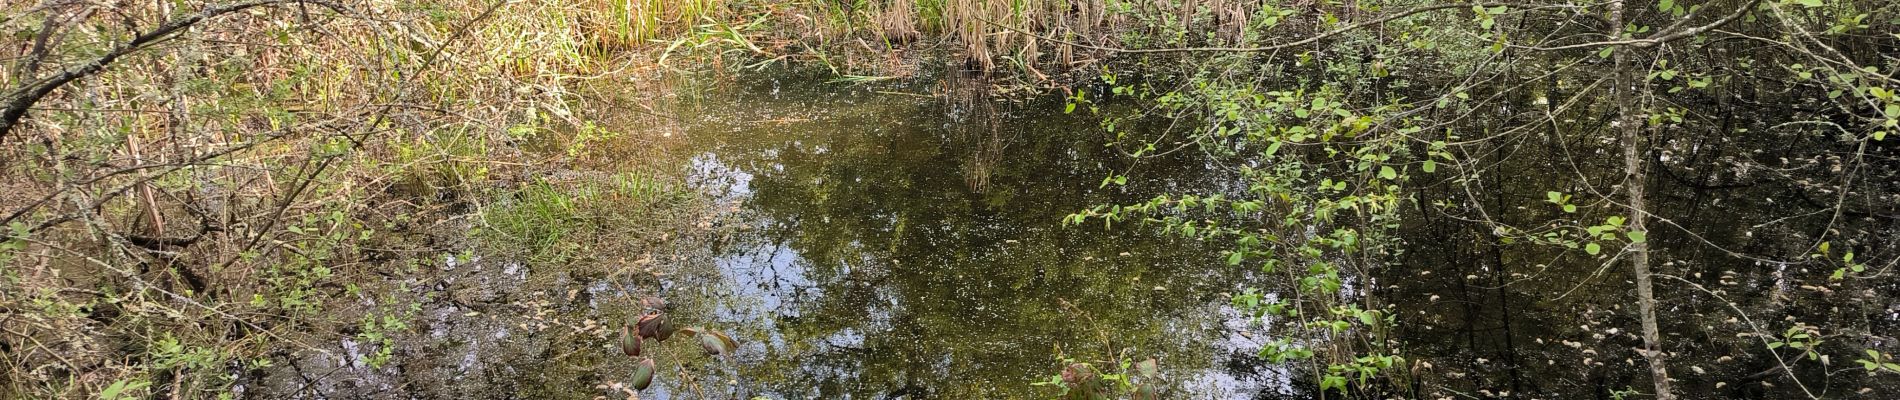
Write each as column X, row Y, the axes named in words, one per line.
column 717, row 343
column 629, row 342
column 642, row 374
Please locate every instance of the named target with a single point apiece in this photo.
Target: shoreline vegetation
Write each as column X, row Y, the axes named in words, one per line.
column 198, row 193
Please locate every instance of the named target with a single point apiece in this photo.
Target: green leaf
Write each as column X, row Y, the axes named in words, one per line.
column 1430, row 166
column 122, row 390
column 1637, row 236
column 642, row 375
column 1810, row 3
column 1592, row 248
column 1388, row 173
column 1570, row 208
column 717, row 343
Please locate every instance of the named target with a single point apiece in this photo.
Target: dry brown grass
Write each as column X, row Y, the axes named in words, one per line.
column 220, row 200
column 1037, row 40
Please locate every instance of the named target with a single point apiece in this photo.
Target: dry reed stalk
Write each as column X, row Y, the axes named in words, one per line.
column 897, row 21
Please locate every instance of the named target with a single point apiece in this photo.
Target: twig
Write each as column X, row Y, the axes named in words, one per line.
column 19, row 100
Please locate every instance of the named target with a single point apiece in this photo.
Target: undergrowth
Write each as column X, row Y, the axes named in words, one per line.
column 555, row 223
column 237, row 195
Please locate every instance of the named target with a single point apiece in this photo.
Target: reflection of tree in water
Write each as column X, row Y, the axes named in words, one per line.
column 946, row 283
column 919, row 277
column 1540, row 319
column 972, row 112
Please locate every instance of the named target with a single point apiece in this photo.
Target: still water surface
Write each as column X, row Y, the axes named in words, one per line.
column 902, row 245
column 903, row 240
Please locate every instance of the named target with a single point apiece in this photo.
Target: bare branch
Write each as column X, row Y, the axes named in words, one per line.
column 20, row 100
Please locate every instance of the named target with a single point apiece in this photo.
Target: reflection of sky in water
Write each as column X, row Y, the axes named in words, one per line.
column 725, row 183
column 898, row 170
column 770, row 281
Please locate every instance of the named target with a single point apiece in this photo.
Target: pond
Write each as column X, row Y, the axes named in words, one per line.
column 901, row 244
column 905, row 240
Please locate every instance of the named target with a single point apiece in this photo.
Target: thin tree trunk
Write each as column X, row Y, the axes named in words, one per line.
column 1629, row 122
